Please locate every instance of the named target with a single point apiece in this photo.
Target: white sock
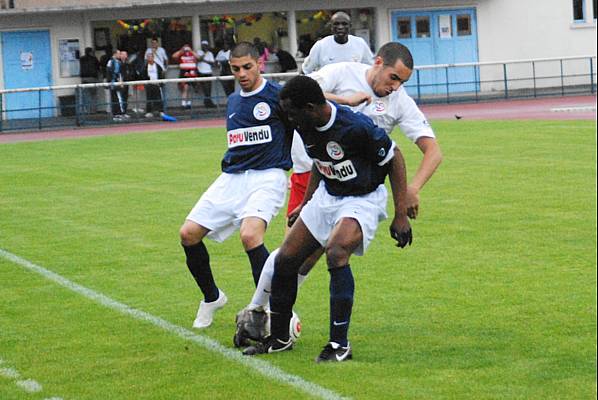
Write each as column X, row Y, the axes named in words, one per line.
column 261, row 296
column 300, row 279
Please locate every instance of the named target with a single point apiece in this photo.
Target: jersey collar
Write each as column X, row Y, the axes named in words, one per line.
column 332, row 118
column 259, row 89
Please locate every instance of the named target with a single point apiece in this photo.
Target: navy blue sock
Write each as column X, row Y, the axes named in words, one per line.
column 198, row 262
column 257, row 259
column 342, row 288
column 282, row 298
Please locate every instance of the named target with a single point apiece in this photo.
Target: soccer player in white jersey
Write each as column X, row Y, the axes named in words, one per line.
column 338, row 47
column 376, row 91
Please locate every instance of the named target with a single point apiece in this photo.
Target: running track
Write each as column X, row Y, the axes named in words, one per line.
column 557, row 108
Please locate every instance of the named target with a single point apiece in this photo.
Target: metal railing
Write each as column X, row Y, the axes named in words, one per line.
column 70, row 105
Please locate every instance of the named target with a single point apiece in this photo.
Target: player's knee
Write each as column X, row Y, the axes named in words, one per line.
column 250, row 239
column 188, row 236
column 337, row 256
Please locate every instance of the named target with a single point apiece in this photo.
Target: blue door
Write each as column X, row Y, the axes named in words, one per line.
column 439, row 37
column 27, row 63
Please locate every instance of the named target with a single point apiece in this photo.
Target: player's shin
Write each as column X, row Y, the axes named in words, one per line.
column 342, row 288
column 198, row 262
column 282, row 298
column 257, row 257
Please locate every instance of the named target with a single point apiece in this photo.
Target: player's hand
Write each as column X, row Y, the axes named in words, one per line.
column 400, row 230
column 358, row 98
column 293, row 216
column 412, row 202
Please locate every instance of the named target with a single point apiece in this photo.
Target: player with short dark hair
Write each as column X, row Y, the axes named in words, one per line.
column 345, row 200
column 252, row 186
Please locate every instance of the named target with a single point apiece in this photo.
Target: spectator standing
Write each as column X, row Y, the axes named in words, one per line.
column 152, row 71
column 160, row 56
column 340, row 46
column 90, row 73
column 264, row 52
column 128, row 75
column 114, row 76
column 187, row 69
column 204, row 66
column 222, row 59
column 285, row 59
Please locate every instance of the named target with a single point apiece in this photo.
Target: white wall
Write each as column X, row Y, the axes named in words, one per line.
column 541, row 28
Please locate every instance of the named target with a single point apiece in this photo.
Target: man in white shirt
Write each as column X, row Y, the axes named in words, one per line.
column 340, row 46
column 160, row 56
column 205, row 61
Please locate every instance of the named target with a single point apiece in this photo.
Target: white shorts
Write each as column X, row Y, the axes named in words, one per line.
column 233, row 197
column 323, row 211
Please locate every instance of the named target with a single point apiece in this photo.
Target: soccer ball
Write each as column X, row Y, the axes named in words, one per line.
column 295, row 327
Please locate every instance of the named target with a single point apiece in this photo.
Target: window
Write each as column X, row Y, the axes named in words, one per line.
column 464, row 25
column 422, row 27
column 445, row 24
column 404, row 27
column 594, row 8
column 578, row 10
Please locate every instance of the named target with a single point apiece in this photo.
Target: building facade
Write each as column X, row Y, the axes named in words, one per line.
column 40, row 40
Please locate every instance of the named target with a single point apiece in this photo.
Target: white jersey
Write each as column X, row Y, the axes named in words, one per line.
column 202, row 66
column 160, row 56
column 301, row 161
column 398, row 108
column 327, row 51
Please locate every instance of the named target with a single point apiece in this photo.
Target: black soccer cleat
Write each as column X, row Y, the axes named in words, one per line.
column 270, row 345
column 335, row 352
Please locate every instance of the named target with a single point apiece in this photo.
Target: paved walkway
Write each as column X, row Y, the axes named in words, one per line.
column 554, row 108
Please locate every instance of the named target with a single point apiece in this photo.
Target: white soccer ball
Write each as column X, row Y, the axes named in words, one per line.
column 295, row 327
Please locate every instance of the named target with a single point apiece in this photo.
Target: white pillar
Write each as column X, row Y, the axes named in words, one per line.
column 381, row 21
column 195, row 32
column 87, row 32
column 292, row 30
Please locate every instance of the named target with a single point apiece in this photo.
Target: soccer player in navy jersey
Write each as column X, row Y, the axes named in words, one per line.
column 345, row 200
column 252, row 186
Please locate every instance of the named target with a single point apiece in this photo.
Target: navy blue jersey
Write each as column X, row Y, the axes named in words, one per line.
column 350, row 152
column 257, row 136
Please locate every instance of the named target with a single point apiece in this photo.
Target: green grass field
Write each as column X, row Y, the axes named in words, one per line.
column 496, row 298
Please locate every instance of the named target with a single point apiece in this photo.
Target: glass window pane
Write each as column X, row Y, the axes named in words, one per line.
column 578, row 10
column 463, row 25
column 404, row 27
column 422, row 27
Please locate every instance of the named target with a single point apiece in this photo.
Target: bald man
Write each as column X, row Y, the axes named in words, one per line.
column 340, row 46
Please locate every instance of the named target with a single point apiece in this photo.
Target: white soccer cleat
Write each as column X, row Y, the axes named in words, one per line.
column 205, row 314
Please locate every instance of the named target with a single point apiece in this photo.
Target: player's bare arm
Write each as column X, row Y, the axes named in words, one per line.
column 430, row 162
column 400, row 229
column 354, row 100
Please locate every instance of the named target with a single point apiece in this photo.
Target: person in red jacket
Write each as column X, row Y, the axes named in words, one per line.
column 188, row 69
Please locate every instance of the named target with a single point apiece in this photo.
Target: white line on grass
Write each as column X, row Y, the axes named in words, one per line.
column 29, row 385
column 261, row 366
